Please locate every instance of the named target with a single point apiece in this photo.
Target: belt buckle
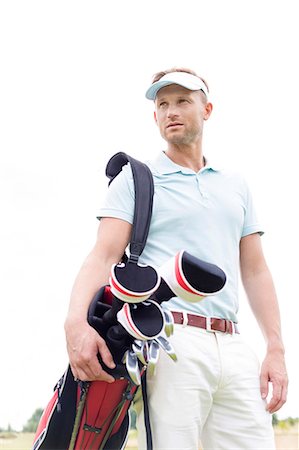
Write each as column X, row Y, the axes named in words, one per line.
column 209, row 325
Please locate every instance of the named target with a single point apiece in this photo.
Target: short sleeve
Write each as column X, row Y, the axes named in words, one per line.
column 251, row 224
column 120, row 199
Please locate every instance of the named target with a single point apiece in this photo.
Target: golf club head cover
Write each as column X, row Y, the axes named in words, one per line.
column 143, row 321
column 133, row 283
column 190, row 278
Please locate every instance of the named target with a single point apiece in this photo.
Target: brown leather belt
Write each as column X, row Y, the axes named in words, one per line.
column 207, row 323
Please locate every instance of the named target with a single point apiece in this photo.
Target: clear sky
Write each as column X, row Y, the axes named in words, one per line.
column 73, row 76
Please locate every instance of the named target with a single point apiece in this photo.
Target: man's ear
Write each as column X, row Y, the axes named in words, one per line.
column 155, row 117
column 208, row 110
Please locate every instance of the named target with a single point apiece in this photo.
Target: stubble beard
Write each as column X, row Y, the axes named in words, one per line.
column 187, row 138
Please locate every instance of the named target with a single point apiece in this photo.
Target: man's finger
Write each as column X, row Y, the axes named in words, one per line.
column 105, row 354
column 93, row 372
column 278, row 402
column 98, row 373
column 264, row 385
column 90, row 369
column 104, row 376
column 82, row 375
column 276, row 397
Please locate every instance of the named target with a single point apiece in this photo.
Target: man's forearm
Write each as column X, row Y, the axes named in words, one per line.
column 84, row 344
column 262, row 298
column 112, row 239
column 93, row 274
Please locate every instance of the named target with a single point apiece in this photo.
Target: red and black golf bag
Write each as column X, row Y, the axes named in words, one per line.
column 127, row 313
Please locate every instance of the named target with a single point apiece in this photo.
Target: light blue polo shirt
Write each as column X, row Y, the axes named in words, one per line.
column 205, row 213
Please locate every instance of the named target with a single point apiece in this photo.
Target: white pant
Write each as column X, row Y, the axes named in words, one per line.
column 210, row 397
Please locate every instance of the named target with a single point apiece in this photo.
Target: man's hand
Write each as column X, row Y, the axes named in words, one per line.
column 83, row 346
column 274, row 371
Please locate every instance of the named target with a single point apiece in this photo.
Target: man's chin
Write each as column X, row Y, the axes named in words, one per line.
column 178, row 140
column 174, row 137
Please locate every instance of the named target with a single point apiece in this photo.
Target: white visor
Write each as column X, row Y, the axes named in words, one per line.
column 184, row 79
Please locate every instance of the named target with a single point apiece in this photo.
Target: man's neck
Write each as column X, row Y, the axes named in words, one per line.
column 186, row 156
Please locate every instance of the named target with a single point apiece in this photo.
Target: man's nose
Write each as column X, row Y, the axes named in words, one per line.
column 172, row 111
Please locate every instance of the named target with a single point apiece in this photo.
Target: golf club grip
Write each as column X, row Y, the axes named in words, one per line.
column 110, row 316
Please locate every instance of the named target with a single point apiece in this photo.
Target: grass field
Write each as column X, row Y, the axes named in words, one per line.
column 17, row 441
column 23, row 441
column 285, row 440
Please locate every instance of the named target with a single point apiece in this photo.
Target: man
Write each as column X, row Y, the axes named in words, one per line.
column 214, row 393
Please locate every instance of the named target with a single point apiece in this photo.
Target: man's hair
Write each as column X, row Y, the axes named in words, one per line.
column 158, row 75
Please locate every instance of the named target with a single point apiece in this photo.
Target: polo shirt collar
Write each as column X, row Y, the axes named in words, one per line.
column 165, row 165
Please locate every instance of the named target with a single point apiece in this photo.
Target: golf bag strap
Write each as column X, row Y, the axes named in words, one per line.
column 144, row 191
column 149, row 438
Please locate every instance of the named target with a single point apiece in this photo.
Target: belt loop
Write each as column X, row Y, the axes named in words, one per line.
column 226, row 327
column 209, row 325
column 185, row 319
column 233, row 328
column 229, row 323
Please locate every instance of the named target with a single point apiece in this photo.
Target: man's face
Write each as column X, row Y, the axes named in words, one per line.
column 180, row 114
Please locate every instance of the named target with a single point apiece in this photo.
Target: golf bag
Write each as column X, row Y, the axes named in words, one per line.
column 127, row 313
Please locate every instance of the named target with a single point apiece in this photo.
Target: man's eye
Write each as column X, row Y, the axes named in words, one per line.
column 162, row 104
column 182, row 100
